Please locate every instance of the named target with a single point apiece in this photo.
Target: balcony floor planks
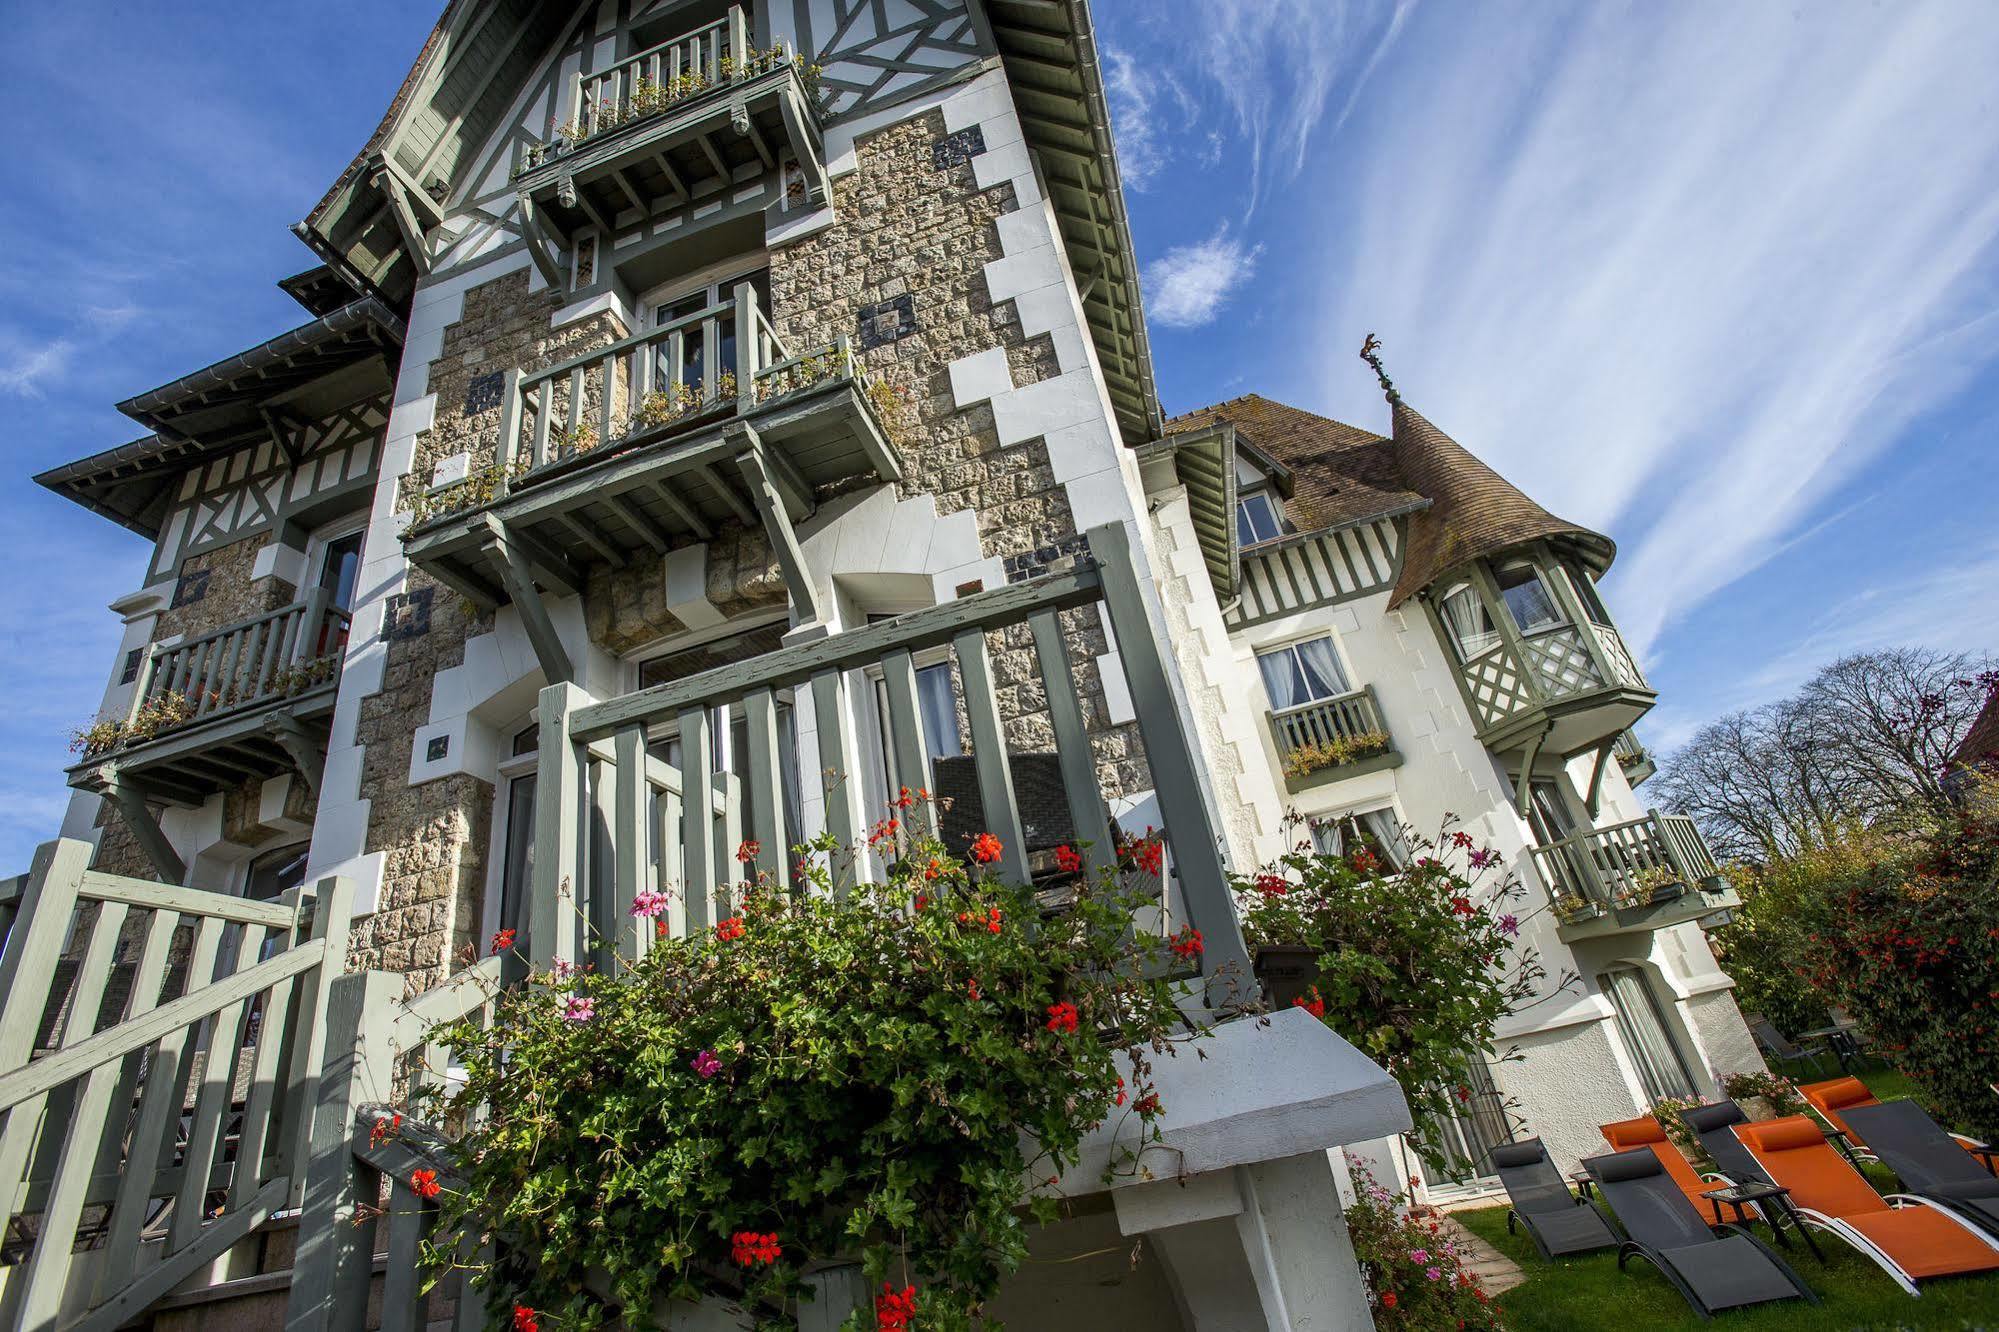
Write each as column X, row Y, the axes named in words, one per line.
column 232, row 739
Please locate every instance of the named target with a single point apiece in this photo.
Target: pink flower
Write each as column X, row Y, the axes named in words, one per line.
column 1509, row 925
column 579, row 1009
column 706, row 1064
column 648, row 903
column 1419, row 1255
column 1433, row 1274
column 1483, row 857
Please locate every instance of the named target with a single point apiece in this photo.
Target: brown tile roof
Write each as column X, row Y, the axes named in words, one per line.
column 1981, row 742
column 1341, row 472
column 1344, row 474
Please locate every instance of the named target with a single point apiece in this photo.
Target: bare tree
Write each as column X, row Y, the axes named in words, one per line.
column 1865, row 740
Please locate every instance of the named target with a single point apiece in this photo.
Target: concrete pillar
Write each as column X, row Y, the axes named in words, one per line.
column 1255, row 1248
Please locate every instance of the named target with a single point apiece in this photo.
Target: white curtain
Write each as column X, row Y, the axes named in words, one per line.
column 1465, row 617
column 1302, row 673
column 1645, row 1036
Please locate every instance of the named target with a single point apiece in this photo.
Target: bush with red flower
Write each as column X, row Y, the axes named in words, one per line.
column 1417, row 1274
column 1415, row 967
column 830, row 1078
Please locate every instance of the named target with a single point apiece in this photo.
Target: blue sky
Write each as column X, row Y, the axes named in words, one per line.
column 1718, row 279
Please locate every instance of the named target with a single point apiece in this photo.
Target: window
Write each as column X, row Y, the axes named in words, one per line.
column 699, row 367
column 1300, row 673
column 1547, row 813
column 275, row 872
column 1375, row 830
column 1256, row 520
column 1661, row 1070
column 517, row 854
column 1585, row 587
column 1527, row 598
column 1477, row 1122
column 1469, row 623
column 937, row 713
column 339, row 567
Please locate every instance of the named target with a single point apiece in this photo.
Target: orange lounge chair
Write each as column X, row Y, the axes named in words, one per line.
column 1911, row 1242
column 1838, row 1094
column 1628, row 1135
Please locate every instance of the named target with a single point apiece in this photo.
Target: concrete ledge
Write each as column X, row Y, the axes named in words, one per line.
column 1267, row 1089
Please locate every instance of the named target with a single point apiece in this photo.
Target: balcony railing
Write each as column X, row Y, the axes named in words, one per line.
column 1332, row 738
column 701, row 369
column 671, row 125
column 665, row 836
column 289, row 651
column 1633, row 758
column 1579, row 675
column 1645, row 873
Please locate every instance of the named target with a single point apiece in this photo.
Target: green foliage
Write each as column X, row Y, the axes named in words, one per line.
column 1907, row 941
column 1415, row 968
column 1417, row 1274
column 878, row 1076
column 1302, row 760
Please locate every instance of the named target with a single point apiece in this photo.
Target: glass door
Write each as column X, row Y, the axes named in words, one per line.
column 1477, row 1122
column 1661, row 1069
column 689, row 367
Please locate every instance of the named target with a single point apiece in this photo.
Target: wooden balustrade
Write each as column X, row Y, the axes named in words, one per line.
column 722, row 360
column 702, row 58
column 1343, row 718
column 175, row 1086
column 241, row 665
column 1632, row 864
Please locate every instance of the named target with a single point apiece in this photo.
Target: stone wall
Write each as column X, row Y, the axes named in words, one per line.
column 903, row 274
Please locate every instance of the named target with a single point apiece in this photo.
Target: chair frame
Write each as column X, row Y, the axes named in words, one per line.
column 1633, row 1249
column 1843, row 1230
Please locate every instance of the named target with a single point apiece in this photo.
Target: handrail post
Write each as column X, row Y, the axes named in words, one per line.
column 510, row 427
column 557, row 890
column 747, row 337
column 1176, row 775
column 332, row 919
column 336, row 1237
column 142, row 683
column 312, row 627
column 739, row 40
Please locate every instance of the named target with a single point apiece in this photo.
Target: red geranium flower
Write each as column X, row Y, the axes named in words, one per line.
column 1316, row 1006
column 749, row 850
column 1187, row 943
column 524, row 1319
column 747, row 1248
column 1272, row 885
column 730, row 929
column 985, row 848
column 1062, row 1017
column 503, row 941
column 1067, row 860
column 424, row 1184
column 894, row 1309
column 1388, row 1299
column 1149, row 854
column 1461, row 905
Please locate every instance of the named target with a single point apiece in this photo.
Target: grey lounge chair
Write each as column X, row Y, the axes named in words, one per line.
column 1931, row 1162
column 1556, row 1220
column 1713, row 1267
column 1715, row 1125
column 1779, row 1046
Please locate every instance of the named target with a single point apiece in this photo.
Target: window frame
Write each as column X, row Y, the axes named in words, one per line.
column 1539, row 573
column 1270, row 503
column 1490, row 633
column 1292, row 645
column 1397, row 858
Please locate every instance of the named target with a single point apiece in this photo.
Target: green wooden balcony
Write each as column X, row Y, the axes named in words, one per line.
column 1562, row 690
column 1633, row 758
column 1645, row 874
column 1332, row 739
column 672, row 127
column 249, row 700
column 654, row 441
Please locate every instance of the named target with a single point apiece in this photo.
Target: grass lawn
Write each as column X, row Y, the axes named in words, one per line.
column 1588, row 1292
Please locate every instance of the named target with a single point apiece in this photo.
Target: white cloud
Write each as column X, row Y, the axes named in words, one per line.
column 1679, row 270
column 25, row 371
column 1138, row 116
column 1188, row 285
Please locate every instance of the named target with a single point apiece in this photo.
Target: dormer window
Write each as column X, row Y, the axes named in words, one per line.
column 1527, row 598
column 1257, row 520
column 1470, row 625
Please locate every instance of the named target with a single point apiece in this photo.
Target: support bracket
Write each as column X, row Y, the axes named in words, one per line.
column 145, row 827
column 512, row 568
column 1595, row 797
column 307, row 755
column 754, row 463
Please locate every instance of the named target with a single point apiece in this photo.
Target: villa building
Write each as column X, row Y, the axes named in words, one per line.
column 710, row 419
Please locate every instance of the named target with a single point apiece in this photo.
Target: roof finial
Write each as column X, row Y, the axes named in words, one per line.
column 1370, row 351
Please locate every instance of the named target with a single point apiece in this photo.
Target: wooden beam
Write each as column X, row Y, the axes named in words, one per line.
column 715, row 159
column 818, row 189
column 399, row 208
column 466, row 584
column 555, row 567
column 145, row 828
column 1524, row 783
column 672, row 176
column 1595, row 797
column 686, row 512
column 610, row 554
column 636, row 518
column 308, row 755
column 538, row 241
column 728, row 493
column 797, row 492
column 618, row 176
column 754, row 463
column 512, row 567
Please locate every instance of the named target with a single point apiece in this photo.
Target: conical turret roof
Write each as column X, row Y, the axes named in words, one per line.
column 1474, row 511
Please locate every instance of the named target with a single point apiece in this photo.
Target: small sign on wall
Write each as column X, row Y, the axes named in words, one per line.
column 192, row 587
